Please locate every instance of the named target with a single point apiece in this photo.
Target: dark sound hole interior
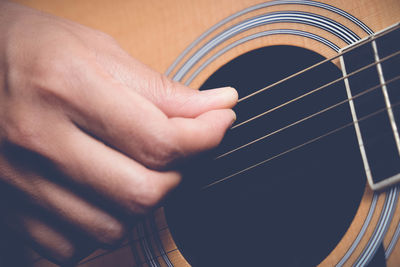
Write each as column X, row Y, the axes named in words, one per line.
column 293, row 209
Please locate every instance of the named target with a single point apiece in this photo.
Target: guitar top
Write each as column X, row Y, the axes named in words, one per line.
column 308, row 173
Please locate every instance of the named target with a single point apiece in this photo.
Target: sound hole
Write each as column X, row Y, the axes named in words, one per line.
column 293, row 209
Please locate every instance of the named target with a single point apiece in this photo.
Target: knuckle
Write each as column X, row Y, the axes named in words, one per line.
column 58, row 72
column 167, row 85
column 163, row 88
column 20, row 131
column 106, row 37
column 54, row 70
column 66, row 254
column 50, row 64
column 146, row 203
column 147, row 195
column 111, row 233
column 151, row 199
column 164, row 151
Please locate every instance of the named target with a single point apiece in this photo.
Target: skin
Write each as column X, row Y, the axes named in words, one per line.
column 90, row 138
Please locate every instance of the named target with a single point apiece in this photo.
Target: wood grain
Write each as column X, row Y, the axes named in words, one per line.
column 156, row 32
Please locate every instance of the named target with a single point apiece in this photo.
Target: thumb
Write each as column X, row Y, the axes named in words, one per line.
column 173, row 98
column 177, row 100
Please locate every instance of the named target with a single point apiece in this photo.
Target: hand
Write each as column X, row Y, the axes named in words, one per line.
column 88, row 135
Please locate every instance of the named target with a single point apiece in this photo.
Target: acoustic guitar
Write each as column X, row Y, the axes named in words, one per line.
column 308, row 173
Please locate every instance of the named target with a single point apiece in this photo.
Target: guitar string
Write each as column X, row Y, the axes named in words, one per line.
column 307, row 118
column 362, row 42
column 296, row 147
column 298, row 98
column 320, row 137
column 129, row 242
column 134, row 240
column 316, row 90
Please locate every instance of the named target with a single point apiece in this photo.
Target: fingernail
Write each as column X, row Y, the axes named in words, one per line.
column 234, row 117
column 228, row 94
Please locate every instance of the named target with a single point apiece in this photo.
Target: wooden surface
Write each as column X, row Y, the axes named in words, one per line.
column 156, row 32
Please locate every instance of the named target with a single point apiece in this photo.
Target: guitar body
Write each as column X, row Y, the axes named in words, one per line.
column 309, row 207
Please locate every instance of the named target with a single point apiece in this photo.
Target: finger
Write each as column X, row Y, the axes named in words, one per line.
column 177, row 100
column 116, row 177
column 92, row 166
column 53, row 243
column 173, row 98
column 135, row 126
column 204, row 132
column 78, row 212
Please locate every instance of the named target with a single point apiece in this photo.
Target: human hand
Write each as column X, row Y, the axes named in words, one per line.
column 88, row 135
